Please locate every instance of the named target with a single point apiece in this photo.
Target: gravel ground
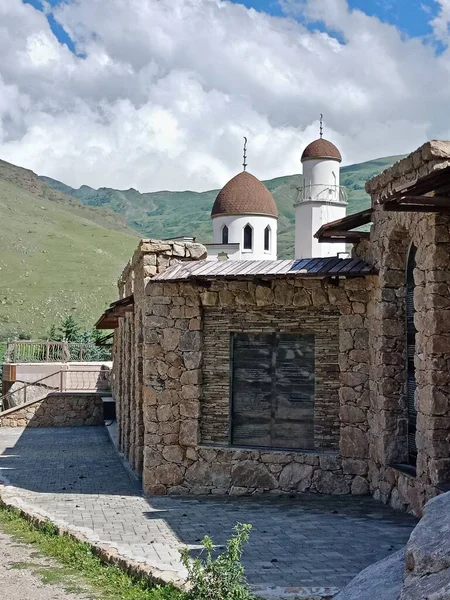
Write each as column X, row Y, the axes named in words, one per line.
column 25, row 575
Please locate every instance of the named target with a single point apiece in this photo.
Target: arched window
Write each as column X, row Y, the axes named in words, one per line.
column 248, row 237
column 224, row 234
column 267, row 238
column 410, row 352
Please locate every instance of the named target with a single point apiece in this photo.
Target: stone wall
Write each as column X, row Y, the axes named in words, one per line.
column 215, row 401
column 56, row 410
column 150, row 258
column 172, row 367
column 177, row 317
column 391, row 236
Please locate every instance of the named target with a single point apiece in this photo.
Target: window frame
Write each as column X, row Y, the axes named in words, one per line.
column 247, row 227
column 225, row 234
column 268, row 232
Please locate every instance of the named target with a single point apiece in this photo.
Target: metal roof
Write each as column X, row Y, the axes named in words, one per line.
column 238, row 269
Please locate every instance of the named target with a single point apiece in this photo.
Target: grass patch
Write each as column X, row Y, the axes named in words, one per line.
column 78, row 561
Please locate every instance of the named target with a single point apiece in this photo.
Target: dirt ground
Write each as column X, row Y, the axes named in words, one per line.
column 26, row 575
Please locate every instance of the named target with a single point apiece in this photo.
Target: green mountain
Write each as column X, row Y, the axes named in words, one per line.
column 57, row 256
column 170, row 214
column 62, row 249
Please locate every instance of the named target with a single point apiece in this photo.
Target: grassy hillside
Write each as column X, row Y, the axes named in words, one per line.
column 61, row 249
column 54, row 257
column 166, row 214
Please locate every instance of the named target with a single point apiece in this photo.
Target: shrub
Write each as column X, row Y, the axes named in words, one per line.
column 220, row 578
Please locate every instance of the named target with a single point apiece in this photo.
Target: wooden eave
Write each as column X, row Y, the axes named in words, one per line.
column 119, row 308
column 341, row 229
column 430, row 194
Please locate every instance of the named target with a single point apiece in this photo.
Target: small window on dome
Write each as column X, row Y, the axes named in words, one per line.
column 267, row 239
column 224, row 234
column 248, row 237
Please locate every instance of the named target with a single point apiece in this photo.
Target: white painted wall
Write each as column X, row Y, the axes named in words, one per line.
column 319, row 202
column 321, row 173
column 236, row 224
column 233, row 251
column 31, row 372
column 309, row 218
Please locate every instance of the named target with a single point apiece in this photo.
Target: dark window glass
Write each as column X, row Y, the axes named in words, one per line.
column 267, row 238
column 248, row 237
column 273, row 388
column 225, row 235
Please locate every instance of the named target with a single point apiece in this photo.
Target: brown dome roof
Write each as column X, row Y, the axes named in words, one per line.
column 244, row 195
column 321, row 149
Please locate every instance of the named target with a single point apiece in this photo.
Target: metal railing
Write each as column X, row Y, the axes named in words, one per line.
column 74, row 380
column 27, row 351
column 322, row 193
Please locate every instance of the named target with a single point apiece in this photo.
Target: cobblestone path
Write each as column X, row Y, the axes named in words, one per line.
column 75, row 477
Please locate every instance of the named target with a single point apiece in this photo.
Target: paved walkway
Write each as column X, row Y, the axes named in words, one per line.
column 75, row 477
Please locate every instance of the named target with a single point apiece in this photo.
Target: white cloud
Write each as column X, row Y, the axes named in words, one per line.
column 166, row 89
column 441, row 22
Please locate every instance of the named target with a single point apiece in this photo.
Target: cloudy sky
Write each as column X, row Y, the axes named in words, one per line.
column 157, row 94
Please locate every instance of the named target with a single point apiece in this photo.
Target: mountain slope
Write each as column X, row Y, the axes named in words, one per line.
column 167, row 214
column 61, row 249
column 54, row 258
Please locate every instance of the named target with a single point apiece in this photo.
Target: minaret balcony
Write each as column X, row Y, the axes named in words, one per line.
column 322, row 193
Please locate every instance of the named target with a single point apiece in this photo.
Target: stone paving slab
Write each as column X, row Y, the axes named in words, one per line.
column 75, row 477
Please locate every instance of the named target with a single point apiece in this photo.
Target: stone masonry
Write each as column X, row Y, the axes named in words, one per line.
column 391, row 236
column 150, row 258
column 185, row 397
column 172, row 365
column 56, row 410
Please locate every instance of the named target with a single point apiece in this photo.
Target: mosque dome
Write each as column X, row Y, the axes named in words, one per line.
column 244, row 195
column 321, row 148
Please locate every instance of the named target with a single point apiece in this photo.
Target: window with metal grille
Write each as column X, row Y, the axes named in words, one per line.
column 273, row 386
column 248, row 237
column 410, row 352
column 225, row 235
column 267, row 238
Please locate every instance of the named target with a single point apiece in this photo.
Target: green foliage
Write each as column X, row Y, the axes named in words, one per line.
column 70, row 330
column 220, row 578
column 63, row 247
column 55, row 257
column 79, row 561
column 166, row 214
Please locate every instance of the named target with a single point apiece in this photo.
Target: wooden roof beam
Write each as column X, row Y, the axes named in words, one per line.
column 339, row 236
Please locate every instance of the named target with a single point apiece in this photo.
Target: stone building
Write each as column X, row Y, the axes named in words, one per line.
column 328, row 375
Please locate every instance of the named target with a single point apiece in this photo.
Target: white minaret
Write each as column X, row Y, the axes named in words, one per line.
column 320, row 199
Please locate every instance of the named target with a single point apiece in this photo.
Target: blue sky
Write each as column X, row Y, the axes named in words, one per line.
column 410, row 16
column 150, row 109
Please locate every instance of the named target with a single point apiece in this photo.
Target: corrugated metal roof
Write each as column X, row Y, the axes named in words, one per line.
column 233, row 269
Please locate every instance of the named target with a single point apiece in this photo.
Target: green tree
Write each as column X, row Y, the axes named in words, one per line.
column 69, row 330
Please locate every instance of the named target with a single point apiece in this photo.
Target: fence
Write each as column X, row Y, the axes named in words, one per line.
column 26, row 351
column 77, row 380
column 324, row 193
